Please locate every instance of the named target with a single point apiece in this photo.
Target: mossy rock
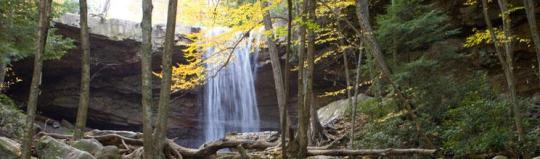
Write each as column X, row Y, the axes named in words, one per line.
column 11, row 118
column 50, row 148
column 109, row 152
column 91, row 146
column 9, row 149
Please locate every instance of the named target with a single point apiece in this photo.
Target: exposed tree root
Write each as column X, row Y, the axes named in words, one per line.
column 132, row 144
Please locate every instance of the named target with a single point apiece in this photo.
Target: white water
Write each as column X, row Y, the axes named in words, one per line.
column 230, row 103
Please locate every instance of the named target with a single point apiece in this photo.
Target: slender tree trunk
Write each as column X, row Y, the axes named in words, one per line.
column 316, row 128
column 165, row 93
column 3, row 71
column 82, row 113
column 370, row 38
column 285, row 113
column 355, row 97
column 303, row 115
column 531, row 17
column 277, row 71
column 44, row 18
column 376, row 51
column 507, row 26
column 146, row 78
column 395, row 42
column 511, row 80
column 506, row 61
column 349, row 94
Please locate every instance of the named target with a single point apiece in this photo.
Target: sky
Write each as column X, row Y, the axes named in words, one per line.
column 132, row 10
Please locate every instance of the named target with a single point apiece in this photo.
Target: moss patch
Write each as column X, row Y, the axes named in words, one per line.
column 11, row 118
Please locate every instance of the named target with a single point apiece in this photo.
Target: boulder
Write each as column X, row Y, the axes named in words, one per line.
column 108, row 152
column 322, row 157
column 91, row 146
column 50, row 148
column 336, row 109
column 11, row 118
column 500, row 157
column 9, row 149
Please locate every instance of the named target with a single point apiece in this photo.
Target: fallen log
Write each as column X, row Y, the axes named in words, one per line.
column 213, row 147
column 364, row 152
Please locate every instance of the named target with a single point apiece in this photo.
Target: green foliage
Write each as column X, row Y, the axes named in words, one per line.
column 19, row 25
column 409, row 25
column 462, row 116
column 479, row 124
column 386, row 127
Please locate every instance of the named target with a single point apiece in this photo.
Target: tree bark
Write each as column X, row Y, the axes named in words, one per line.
column 285, row 113
column 311, row 109
column 146, row 78
column 355, row 96
column 3, row 71
column 303, row 115
column 348, row 84
column 531, row 17
column 43, row 29
column 82, row 112
column 165, row 93
column 507, row 26
column 317, row 131
column 277, row 71
column 506, row 61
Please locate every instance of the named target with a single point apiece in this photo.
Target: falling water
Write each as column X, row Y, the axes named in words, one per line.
column 230, row 103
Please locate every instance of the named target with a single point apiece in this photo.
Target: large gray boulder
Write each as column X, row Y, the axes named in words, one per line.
column 50, row 148
column 9, row 149
column 109, row 152
column 91, row 146
column 500, row 157
column 337, row 109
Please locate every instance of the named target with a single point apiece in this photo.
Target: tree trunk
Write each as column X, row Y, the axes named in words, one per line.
column 531, row 17
column 510, row 77
column 316, row 128
column 303, row 116
column 82, row 113
column 357, row 77
column 356, row 91
column 3, row 71
column 43, row 29
column 506, row 61
column 146, row 78
column 276, row 70
column 285, row 126
column 165, row 93
column 349, row 95
column 507, row 26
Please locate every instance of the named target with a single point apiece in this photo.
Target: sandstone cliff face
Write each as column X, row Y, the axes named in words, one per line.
column 115, row 101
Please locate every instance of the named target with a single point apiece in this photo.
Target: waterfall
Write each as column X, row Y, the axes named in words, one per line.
column 230, row 103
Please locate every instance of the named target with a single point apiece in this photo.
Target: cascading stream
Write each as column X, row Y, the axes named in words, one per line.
column 230, row 103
